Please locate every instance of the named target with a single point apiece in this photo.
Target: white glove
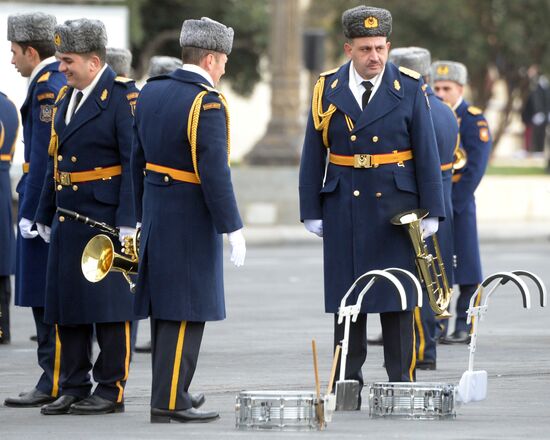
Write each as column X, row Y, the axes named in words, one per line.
column 138, row 225
column 429, row 226
column 538, row 118
column 238, row 247
column 25, row 226
column 125, row 231
column 44, row 231
column 314, row 226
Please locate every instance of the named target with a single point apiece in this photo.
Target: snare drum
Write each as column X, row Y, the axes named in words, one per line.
column 412, row 400
column 279, row 410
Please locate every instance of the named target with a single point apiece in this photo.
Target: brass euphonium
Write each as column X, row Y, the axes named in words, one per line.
column 430, row 268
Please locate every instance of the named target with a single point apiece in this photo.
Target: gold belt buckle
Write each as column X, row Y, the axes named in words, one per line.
column 362, row 161
column 65, row 178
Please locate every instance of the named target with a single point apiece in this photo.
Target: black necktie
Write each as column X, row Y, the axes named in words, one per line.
column 77, row 100
column 366, row 94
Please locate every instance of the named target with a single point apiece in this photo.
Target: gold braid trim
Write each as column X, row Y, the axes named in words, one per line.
column 192, row 129
column 224, row 102
column 321, row 119
column 349, row 122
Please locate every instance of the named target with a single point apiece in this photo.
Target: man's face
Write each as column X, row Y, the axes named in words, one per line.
column 448, row 91
column 23, row 61
column 80, row 70
column 218, row 67
column 369, row 55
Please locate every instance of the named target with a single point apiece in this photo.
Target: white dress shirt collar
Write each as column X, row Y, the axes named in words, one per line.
column 458, row 103
column 85, row 93
column 198, row 70
column 357, row 89
column 40, row 66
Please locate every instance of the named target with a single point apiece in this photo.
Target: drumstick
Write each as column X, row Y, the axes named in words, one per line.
column 317, row 385
column 333, row 370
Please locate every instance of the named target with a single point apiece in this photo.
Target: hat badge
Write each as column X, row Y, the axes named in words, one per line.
column 443, row 69
column 57, row 40
column 371, row 22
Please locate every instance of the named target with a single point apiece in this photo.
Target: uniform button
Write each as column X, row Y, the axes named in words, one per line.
column 166, row 178
column 144, row 172
column 353, row 138
column 378, row 195
column 61, row 218
column 73, row 158
column 356, row 193
column 59, row 187
column 375, row 138
column 60, row 158
column 75, row 187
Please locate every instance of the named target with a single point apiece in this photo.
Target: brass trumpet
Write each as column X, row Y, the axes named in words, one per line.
column 430, row 268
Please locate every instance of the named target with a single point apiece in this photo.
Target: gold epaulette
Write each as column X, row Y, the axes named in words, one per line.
column 474, row 110
column 424, row 87
column 61, row 94
column 123, row 79
column 329, row 72
column 43, row 78
column 409, row 72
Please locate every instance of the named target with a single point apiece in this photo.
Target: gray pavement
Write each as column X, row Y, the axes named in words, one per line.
column 274, row 307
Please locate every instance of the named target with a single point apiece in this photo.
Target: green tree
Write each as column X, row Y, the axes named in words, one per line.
column 155, row 29
column 495, row 39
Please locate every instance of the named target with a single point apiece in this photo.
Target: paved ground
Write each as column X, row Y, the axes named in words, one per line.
column 274, row 307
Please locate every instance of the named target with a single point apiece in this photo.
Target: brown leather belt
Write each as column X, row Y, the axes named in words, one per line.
column 456, row 177
column 447, row 166
column 182, row 176
column 26, row 167
column 371, row 160
column 65, row 178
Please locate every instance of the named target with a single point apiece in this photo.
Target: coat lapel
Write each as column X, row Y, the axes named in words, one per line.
column 92, row 107
column 387, row 97
column 340, row 95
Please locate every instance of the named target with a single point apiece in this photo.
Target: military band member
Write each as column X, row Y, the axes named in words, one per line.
column 33, row 51
column 449, row 79
column 185, row 200
column 447, row 137
column 9, row 126
column 372, row 108
column 88, row 172
column 120, row 60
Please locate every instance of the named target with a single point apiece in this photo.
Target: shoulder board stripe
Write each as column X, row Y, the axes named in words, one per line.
column 49, row 95
column 409, row 72
column 123, row 79
column 329, row 72
column 43, row 78
column 474, row 110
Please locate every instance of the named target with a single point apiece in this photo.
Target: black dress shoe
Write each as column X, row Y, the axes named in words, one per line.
column 59, row 406
column 29, row 399
column 190, row 415
column 426, row 365
column 145, row 348
column 95, row 404
column 377, row 340
column 197, row 400
column 458, row 337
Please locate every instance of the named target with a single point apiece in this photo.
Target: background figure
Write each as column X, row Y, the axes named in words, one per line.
column 120, row 61
column 9, row 125
column 184, row 197
column 88, row 172
column 158, row 65
column 449, row 78
column 536, row 111
column 33, row 51
column 447, row 137
column 365, row 109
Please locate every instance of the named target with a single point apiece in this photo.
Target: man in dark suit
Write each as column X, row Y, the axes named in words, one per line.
column 383, row 160
column 33, row 50
column 88, row 172
column 185, row 201
column 449, row 78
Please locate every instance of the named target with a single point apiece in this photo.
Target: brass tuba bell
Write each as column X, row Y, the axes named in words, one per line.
column 460, row 159
column 431, row 270
column 99, row 258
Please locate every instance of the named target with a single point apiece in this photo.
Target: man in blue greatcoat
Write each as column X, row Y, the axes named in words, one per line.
column 88, row 172
column 373, row 121
column 449, row 79
column 184, row 199
column 9, row 126
column 447, row 137
column 33, row 50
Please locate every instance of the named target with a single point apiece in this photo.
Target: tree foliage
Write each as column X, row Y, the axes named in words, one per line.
column 156, row 24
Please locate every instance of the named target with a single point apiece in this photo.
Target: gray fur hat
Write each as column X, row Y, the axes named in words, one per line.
column 366, row 21
column 33, row 26
column 415, row 58
column 207, row 34
column 449, row 71
column 120, row 60
column 80, row 36
column 159, row 65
